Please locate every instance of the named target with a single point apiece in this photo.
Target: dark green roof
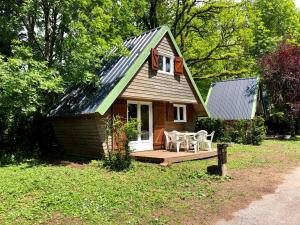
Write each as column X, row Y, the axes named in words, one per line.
column 114, row 77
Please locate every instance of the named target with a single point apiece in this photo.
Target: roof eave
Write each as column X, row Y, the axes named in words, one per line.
column 117, row 90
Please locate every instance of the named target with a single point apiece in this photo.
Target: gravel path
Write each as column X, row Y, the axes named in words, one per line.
column 279, row 208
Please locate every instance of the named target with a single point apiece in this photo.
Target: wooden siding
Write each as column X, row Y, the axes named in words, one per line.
column 151, row 85
column 81, row 135
column 161, row 122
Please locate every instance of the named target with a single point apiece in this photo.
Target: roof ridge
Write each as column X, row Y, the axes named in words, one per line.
column 242, row 78
column 143, row 33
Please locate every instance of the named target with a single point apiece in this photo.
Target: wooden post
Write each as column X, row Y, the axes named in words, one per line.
column 222, row 159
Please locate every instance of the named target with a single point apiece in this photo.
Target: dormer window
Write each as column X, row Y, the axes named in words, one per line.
column 165, row 64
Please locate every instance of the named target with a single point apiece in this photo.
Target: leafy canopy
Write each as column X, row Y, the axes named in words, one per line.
column 281, row 72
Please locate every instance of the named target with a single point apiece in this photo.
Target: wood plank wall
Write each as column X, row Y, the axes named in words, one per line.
column 81, row 135
column 163, row 120
column 150, row 85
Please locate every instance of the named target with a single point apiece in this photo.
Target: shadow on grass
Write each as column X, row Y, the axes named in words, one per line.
column 284, row 138
column 29, row 162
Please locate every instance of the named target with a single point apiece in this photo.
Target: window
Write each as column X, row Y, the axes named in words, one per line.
column 166, row 64
column 179, row 113
column 161, row 62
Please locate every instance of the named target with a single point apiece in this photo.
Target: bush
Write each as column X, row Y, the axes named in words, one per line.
column 249, row 131
column 278, row 123
column 211, row 125
column 118, row 158
column 258, row 130
column 241, row 131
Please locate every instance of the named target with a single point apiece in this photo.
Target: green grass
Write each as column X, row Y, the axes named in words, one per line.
column 33, row 192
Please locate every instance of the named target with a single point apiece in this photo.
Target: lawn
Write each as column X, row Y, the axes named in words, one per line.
column 34, row 192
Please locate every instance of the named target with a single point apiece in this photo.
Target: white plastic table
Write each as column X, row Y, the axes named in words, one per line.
column 185, row 135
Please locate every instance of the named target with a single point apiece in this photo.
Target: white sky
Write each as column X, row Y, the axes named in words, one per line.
column 297, row 3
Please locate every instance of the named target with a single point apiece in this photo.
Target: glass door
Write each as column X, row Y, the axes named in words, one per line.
column 142, row 111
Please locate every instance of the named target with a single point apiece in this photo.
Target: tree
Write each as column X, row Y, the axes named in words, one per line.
column 212, row 35
column 272, row 21
column 50, row 45
column 281, row 72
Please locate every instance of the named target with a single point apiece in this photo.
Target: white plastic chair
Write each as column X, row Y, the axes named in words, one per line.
column 168, row 140
column 209, row 142
column 174, row 139
column 200, row 140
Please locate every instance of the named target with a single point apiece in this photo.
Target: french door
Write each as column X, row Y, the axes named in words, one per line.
column 142, row 111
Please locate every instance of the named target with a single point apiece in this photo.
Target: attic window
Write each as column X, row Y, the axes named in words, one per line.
column 166, row 64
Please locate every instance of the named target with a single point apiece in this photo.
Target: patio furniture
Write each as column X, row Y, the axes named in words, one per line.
column 188, row 138
column 211, row 137
column 175, row 139
column 200, row 140
column 168, row 140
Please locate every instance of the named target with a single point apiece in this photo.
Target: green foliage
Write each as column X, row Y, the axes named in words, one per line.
column 211, row 125
column 241, row 131
column 118, row 158
column 25, row 85
column 279, row 123
column 258, row 130
column 249, row 131
column 49, row 46
column 280, row 17
column 25, row 82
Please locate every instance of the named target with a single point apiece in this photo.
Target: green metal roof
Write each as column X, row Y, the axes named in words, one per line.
column 115, row 77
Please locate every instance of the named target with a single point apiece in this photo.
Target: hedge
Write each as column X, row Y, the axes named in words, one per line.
column 240, row 131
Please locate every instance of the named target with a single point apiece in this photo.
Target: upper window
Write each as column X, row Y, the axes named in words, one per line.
column 179, row 113
column 166, row 64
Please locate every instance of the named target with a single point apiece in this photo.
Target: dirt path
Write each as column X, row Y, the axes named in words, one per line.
column 281, row 207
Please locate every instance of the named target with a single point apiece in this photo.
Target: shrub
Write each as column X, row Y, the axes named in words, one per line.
column 278, row 123
column 211, row 125
column 241, row 131
column 249, row 131
column 118, row 158
column 258, row 130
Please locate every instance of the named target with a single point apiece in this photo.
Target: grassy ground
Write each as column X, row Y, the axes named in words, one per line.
column 41, row 193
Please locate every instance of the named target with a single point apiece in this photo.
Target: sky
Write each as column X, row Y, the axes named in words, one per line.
column 297, row 3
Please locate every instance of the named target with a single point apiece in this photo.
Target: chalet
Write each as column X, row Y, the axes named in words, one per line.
column 236, row 99
column 152, row 84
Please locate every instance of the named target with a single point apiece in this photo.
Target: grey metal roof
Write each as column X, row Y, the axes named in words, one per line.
column 232, row 99
column 85, row 100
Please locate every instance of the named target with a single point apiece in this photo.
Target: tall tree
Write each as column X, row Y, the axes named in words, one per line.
column 211, row 34
column 10, row 24
column 49, row 45
column 281, row 71
column 274, row 20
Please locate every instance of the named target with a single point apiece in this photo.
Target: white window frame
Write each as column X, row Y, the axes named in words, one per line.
column 164, row 55
column 139, row 144
column 176, row 120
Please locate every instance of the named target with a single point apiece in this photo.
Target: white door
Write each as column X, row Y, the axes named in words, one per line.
column 142, row 111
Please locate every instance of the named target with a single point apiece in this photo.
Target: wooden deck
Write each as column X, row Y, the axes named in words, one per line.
column 166, row 158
